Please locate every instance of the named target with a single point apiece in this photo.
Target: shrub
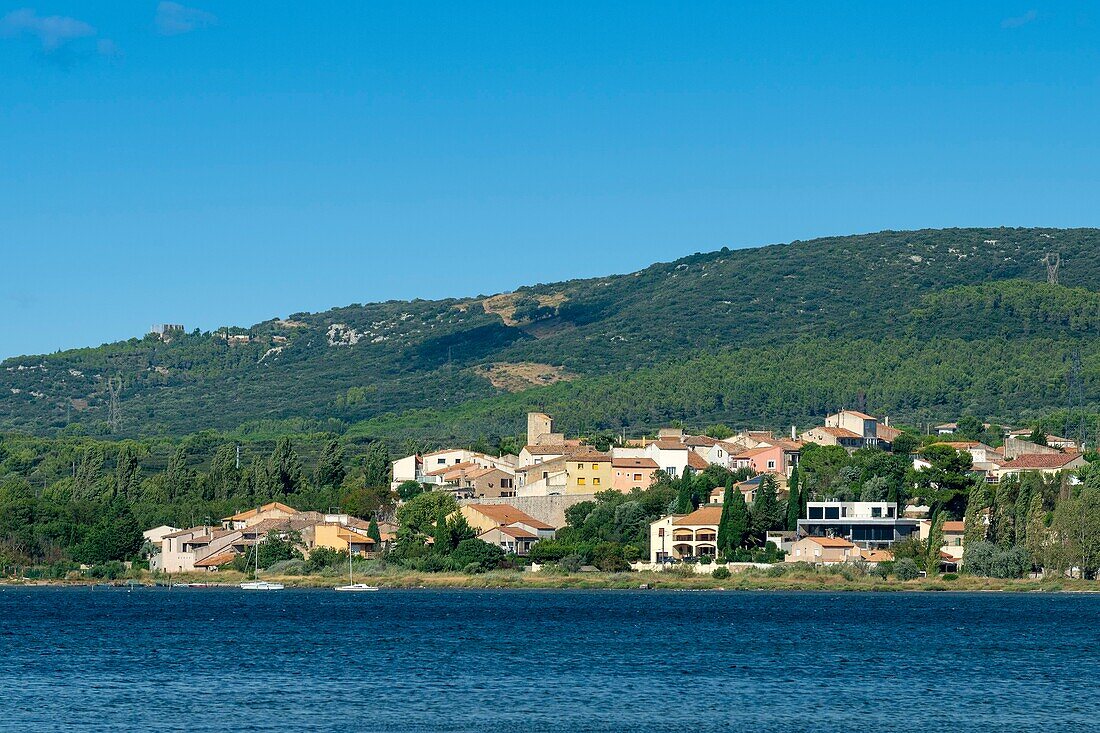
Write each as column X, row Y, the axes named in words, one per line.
column 950, row 576
column 720, row 573
column 608, row 556
column 476, row 552
column 705, row 560
column 571, row 563
column 906, row 569
column 882, row 569
column 288, row 567
column 324, row 557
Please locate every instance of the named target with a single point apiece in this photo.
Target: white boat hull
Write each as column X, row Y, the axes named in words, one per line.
column 356, row 588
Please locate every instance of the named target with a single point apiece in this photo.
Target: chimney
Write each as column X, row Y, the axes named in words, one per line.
column 886, row 421
column 794, row 434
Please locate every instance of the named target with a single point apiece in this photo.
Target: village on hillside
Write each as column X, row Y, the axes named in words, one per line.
column 514, row 502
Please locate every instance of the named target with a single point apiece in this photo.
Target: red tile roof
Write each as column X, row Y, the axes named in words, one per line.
column 1041, row 460
column 504, row 514
column 634, row 463
column 697, row 462
column 703, row 515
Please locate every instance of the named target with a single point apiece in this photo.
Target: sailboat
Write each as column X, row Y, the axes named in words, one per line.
column 258, row 584
column 352, row 586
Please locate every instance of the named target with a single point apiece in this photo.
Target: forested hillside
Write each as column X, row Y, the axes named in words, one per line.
column 922, row 325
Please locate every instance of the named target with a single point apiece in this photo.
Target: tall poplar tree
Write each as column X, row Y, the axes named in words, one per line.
column 794, row 501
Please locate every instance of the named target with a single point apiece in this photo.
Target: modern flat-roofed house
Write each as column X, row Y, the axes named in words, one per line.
column 675, row 537
column 869, row 524
column 822, row 551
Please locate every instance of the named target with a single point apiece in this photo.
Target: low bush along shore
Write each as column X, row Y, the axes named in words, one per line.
column 777, row 578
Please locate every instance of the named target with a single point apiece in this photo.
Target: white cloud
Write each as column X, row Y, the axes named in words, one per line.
column 53, row 31
column 1019, row 20
column 173, row 19
column 107, row 47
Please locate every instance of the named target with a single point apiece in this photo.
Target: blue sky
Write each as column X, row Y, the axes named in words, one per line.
column 221, row 163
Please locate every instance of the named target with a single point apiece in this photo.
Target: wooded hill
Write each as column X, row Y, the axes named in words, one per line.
column 920, row 325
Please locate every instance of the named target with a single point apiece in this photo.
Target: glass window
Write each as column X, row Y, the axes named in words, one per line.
column 595, row 467
column 595, row 480
column 580, row 481
column 876, row 512
column 832, row 512
column 637, row 477
column 815, row 512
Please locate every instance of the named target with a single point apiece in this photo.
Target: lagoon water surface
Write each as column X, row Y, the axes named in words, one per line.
column 523, row 660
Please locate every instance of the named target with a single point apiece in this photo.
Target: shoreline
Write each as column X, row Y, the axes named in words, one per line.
column 504, row 580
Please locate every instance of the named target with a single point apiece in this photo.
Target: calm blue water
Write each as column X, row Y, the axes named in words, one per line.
column 214, row 660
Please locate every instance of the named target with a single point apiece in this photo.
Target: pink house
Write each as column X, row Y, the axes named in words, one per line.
column 632, row 473
column 779, row 458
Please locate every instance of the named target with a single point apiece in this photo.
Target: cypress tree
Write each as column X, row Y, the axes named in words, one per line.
column 374, row 533
column 1036, row 539
column 767, row 513
column 724, row 547
column 794, row 501
column 1023, row 504
column 330, row 466
column 126, row 471
column 441, row 535
column 285, row 468
column 683, row 497
column 739, row 521
column 376, row 466
column 974, row 526
column 935, row 543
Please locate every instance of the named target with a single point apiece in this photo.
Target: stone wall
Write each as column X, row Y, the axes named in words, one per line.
column 549, row 509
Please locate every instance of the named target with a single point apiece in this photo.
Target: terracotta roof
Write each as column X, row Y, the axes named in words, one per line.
column 444, row 470
column 697, row 462
column 752, row 452
column 703, row 515
column 634, row 463
column 478, row 473
column 668, row 444
column 554, row 464
column 215, row 561
column 700, row 440
column 516, row 532
column 830, row 541
column 586, row 456
column 838, row 432
column 886, row 432
column 786, row 443
column 1041, row 460
column 504, row 514
column 954, row 527
column 862, row 415
column 182, row 532
column 355, row 537
column 550, row 450
column 877, row 555
column 265, row 508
